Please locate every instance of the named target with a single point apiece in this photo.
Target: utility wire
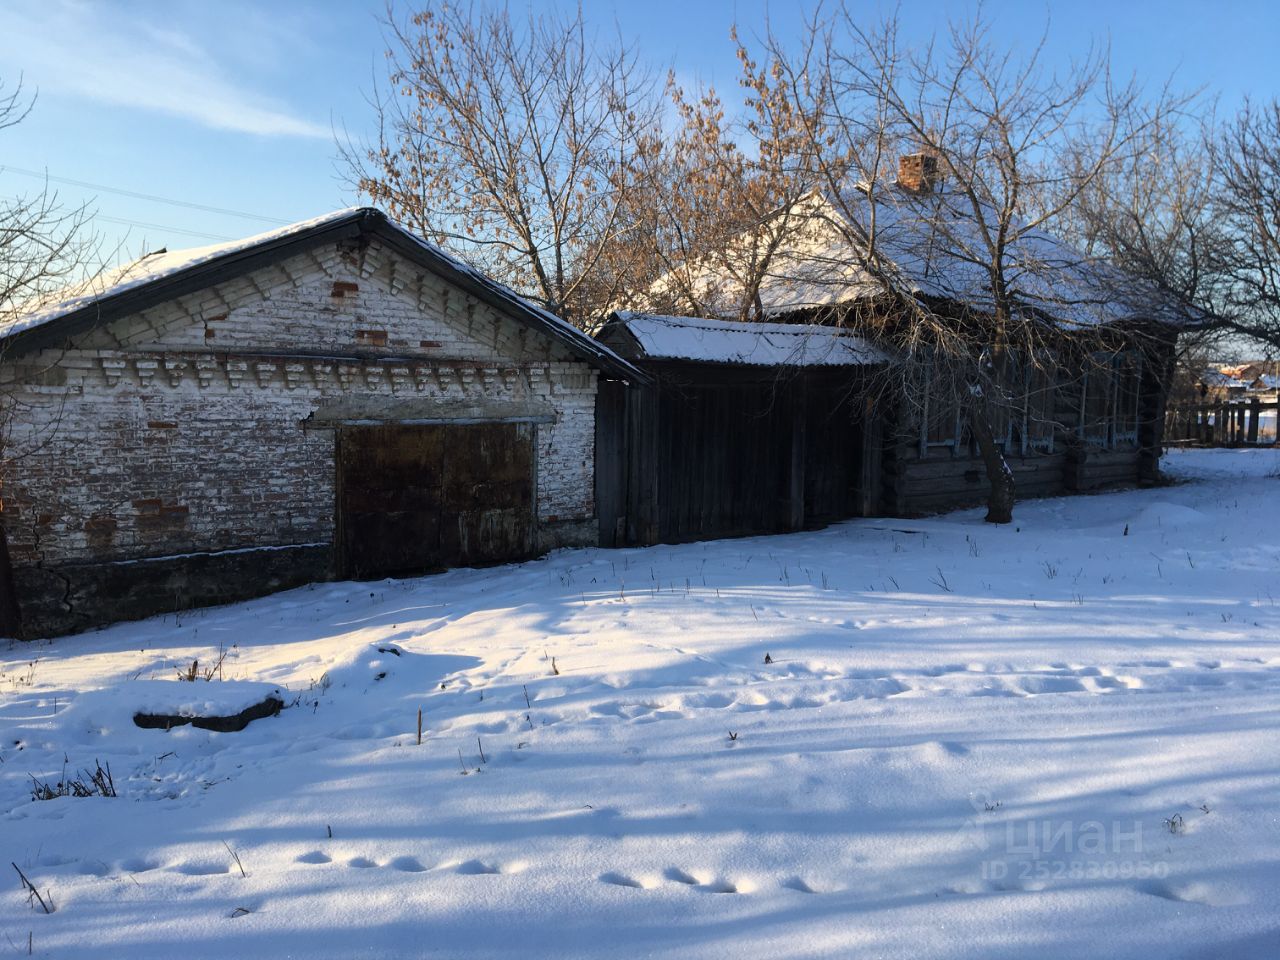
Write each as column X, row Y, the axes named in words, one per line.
column 143, row 196
column 160, row 226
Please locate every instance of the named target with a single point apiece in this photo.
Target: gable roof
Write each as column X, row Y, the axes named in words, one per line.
column 160, row 277
column 699, row 340
column 932, row 247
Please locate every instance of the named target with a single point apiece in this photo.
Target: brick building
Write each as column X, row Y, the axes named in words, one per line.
column 336, row 398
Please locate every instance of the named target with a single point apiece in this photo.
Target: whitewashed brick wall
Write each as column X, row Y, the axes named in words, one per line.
column 178, row 430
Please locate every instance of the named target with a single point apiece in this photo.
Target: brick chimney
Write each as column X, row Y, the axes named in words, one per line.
column 917, row 172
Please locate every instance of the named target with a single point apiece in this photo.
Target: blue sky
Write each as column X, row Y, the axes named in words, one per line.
column 234, row 104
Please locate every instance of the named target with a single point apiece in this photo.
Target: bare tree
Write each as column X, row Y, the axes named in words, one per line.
column 714, row 203
column 962, row 277
column 747, row 197
column 44, row 246
column 1194, row 210
column 1246, row 161
column 1152, row 211
column 671, row 195
column 506, row 143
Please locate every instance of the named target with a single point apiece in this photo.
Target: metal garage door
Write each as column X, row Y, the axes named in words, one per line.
column 413, row 499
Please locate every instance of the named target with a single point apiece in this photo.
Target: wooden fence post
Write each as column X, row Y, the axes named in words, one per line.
column 1223, row 423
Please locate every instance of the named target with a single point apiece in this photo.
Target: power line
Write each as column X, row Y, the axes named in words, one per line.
column 160, row 226
column 143, row 196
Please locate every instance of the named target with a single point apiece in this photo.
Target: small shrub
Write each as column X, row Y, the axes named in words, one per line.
column 940, row 581
column 193, row 673
column 99, row 783
column 33, row 897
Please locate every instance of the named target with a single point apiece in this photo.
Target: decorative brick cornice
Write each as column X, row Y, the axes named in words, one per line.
column 334, row 374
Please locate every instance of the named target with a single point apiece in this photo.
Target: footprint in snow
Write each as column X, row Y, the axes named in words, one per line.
column 1017, row 885
column 1050, row 685
column 714, row 885
column 724, row 886
column 315, row 856
column 621, row 880
column 713, row 701
column 202, row 868
column 1190, row 892
column 798, row 884
column 481, row 868
column 138, row 865
column 407, row 865
column 363, row 863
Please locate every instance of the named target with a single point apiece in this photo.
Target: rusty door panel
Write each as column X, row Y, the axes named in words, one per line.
column 488, row 493
column 413, row 499
column 389, row 481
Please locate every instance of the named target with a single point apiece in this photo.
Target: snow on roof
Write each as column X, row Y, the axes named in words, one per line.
column 749, row 344
column 1216, row 378
column 932, row 245
column 147, row 269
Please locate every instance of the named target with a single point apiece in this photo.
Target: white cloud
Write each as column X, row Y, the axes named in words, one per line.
column 136, row 58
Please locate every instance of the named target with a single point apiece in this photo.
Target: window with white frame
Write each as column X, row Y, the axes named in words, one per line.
column 939, row 427
column 1111, row 396
column 1023, row 409
column 1128, row 398
column 1023, row 414
column 1041, row 407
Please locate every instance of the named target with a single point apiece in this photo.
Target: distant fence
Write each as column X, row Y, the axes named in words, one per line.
column 1225, row 423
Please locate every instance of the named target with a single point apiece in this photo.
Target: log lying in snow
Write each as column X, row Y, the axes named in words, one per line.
column 229, row 724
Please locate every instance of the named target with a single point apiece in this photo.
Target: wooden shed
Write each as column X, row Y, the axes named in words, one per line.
column 745, row 428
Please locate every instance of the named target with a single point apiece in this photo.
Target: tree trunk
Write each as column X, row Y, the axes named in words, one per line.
column 10, row 615
column 1003, row 487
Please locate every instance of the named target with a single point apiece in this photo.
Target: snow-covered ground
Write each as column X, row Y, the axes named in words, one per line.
column 1051, row 740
